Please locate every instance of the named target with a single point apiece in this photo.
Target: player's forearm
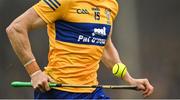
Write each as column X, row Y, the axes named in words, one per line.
column 20, row 43
column 19, row 40
column 111, row 57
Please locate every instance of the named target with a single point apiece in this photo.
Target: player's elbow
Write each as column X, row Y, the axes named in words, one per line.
column 14, row 29
column 9, row 30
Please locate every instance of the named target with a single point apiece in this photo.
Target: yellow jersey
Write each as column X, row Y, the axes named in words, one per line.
column 78, row 31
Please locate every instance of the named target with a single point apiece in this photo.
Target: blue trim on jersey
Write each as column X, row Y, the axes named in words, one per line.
column 53, row 3
column 57, row 2
column 49, row 4
column 82, row 33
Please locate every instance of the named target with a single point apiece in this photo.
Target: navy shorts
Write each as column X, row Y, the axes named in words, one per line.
column 58, row 94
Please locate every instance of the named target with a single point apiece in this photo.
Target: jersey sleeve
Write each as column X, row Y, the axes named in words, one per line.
column 51, row 10
column 115, row 10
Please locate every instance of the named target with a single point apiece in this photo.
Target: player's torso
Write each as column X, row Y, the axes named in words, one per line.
column 77, row 40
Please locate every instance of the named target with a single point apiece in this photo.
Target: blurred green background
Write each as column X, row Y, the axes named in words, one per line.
column 146, row 34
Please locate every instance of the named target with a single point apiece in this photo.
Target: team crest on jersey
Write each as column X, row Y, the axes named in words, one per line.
column 108, row 15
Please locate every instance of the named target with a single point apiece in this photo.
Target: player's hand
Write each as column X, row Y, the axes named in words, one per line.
column 143, row 85
column 40, row 81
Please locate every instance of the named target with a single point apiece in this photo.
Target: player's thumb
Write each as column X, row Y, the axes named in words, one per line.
column 51, row 80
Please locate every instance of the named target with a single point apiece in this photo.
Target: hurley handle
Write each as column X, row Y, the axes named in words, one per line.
column 28, row 84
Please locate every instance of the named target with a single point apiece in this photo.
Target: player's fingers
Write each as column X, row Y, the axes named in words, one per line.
column 147, row 95
column 40, row 87
column 140, row 87
column 145, row 92
column 151, row 89
column 33, row 85
column 147, row 86
column 46, row 86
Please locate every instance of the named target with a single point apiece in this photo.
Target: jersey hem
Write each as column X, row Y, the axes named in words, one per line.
column 75, row 91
